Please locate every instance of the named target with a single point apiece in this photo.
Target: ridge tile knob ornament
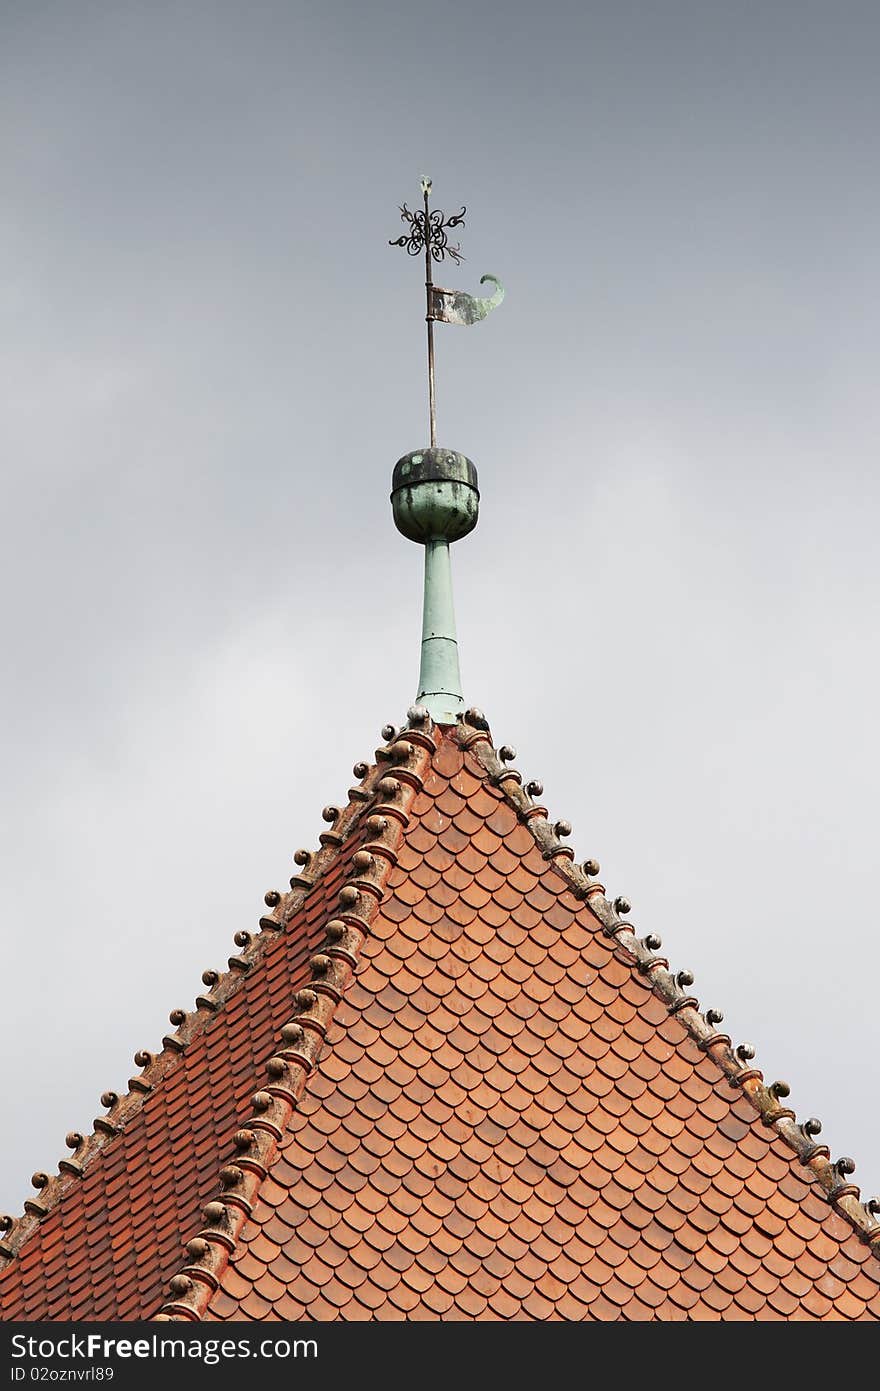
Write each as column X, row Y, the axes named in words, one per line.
column 476, row 719
column 591, row 868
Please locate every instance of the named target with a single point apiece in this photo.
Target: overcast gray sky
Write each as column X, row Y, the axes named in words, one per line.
column 212, row 360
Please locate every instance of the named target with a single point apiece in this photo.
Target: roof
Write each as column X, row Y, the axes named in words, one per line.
column 447, row 1080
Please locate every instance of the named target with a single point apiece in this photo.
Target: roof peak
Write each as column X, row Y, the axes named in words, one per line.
column 419, row 879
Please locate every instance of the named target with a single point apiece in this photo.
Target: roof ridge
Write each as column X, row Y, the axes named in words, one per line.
column 672, row 990
column 312, row 865
column 302, row 1037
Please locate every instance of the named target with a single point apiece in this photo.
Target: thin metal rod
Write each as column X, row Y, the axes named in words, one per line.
column 428, row 287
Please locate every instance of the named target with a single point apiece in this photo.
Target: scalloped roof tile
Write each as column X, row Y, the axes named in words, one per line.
column 446, row 1080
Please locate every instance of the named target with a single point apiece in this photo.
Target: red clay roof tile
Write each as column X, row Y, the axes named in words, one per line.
column 505, row 1122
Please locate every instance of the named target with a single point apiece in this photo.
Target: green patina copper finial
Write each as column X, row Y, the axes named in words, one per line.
column 434, row 492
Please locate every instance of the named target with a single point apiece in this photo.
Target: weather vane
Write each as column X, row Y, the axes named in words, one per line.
column 428, row 233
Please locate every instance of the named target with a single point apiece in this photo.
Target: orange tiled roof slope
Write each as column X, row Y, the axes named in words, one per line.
column 479, row 1095
column 101, row 1238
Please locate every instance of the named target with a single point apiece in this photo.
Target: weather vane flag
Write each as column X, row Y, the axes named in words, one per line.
column 428, row 232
